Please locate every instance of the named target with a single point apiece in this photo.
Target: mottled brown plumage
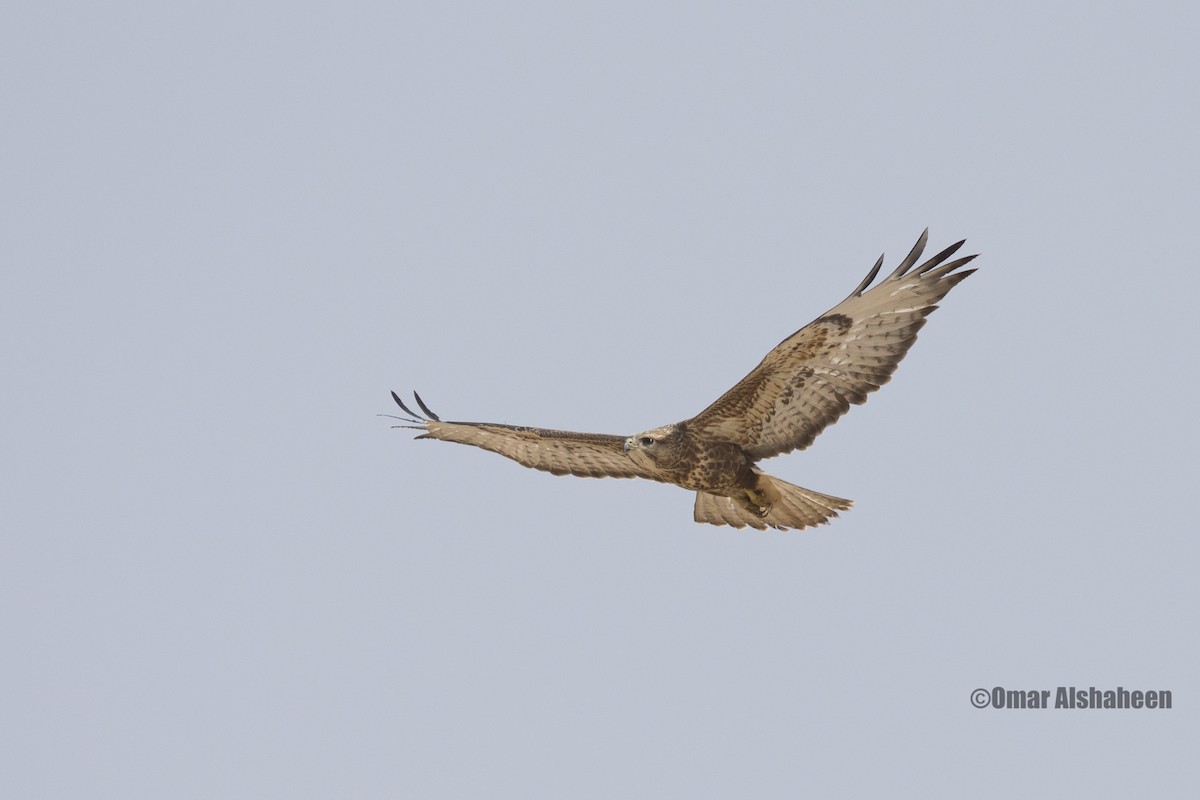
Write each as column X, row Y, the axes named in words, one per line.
column 802, row 386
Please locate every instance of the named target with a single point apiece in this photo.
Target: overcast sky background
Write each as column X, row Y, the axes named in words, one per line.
column 229, row 229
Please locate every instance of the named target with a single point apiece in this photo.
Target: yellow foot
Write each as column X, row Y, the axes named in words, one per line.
column 756, row 503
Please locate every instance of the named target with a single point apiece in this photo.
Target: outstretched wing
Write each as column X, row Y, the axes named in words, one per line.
column 808, row 381
column 587, row 455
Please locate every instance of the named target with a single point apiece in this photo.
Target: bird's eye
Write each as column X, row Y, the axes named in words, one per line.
column 647, row 441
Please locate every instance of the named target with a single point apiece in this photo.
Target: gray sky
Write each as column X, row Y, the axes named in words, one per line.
column 229, row 229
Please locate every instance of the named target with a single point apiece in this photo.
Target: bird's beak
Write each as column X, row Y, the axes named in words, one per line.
column 628, row 443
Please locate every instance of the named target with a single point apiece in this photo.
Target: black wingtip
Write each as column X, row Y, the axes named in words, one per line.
column 407, row 410
column 419, row 426
column 939, row 258
column 862, row 287
column 425, row 408
column 912, row 256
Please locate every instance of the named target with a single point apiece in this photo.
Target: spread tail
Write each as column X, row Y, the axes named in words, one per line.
column 778, row 504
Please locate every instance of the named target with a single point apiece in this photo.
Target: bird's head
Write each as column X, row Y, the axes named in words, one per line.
column 657, row 447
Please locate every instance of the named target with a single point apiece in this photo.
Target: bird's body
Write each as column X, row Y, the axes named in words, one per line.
column 691, row 461
column 803, row 385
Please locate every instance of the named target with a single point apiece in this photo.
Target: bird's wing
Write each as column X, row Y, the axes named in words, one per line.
column 812, row 377
column 587, row 455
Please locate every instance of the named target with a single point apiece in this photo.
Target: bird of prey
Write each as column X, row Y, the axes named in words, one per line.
column 803, row 385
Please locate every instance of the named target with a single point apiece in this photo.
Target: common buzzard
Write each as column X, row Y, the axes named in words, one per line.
column 803, row 385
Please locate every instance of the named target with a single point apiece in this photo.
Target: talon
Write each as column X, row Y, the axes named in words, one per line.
column 756, row 503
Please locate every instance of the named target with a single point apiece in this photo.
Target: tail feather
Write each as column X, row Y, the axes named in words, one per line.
column 790, row 507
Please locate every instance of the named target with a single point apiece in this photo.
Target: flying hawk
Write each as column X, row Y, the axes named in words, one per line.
column 803, row 385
